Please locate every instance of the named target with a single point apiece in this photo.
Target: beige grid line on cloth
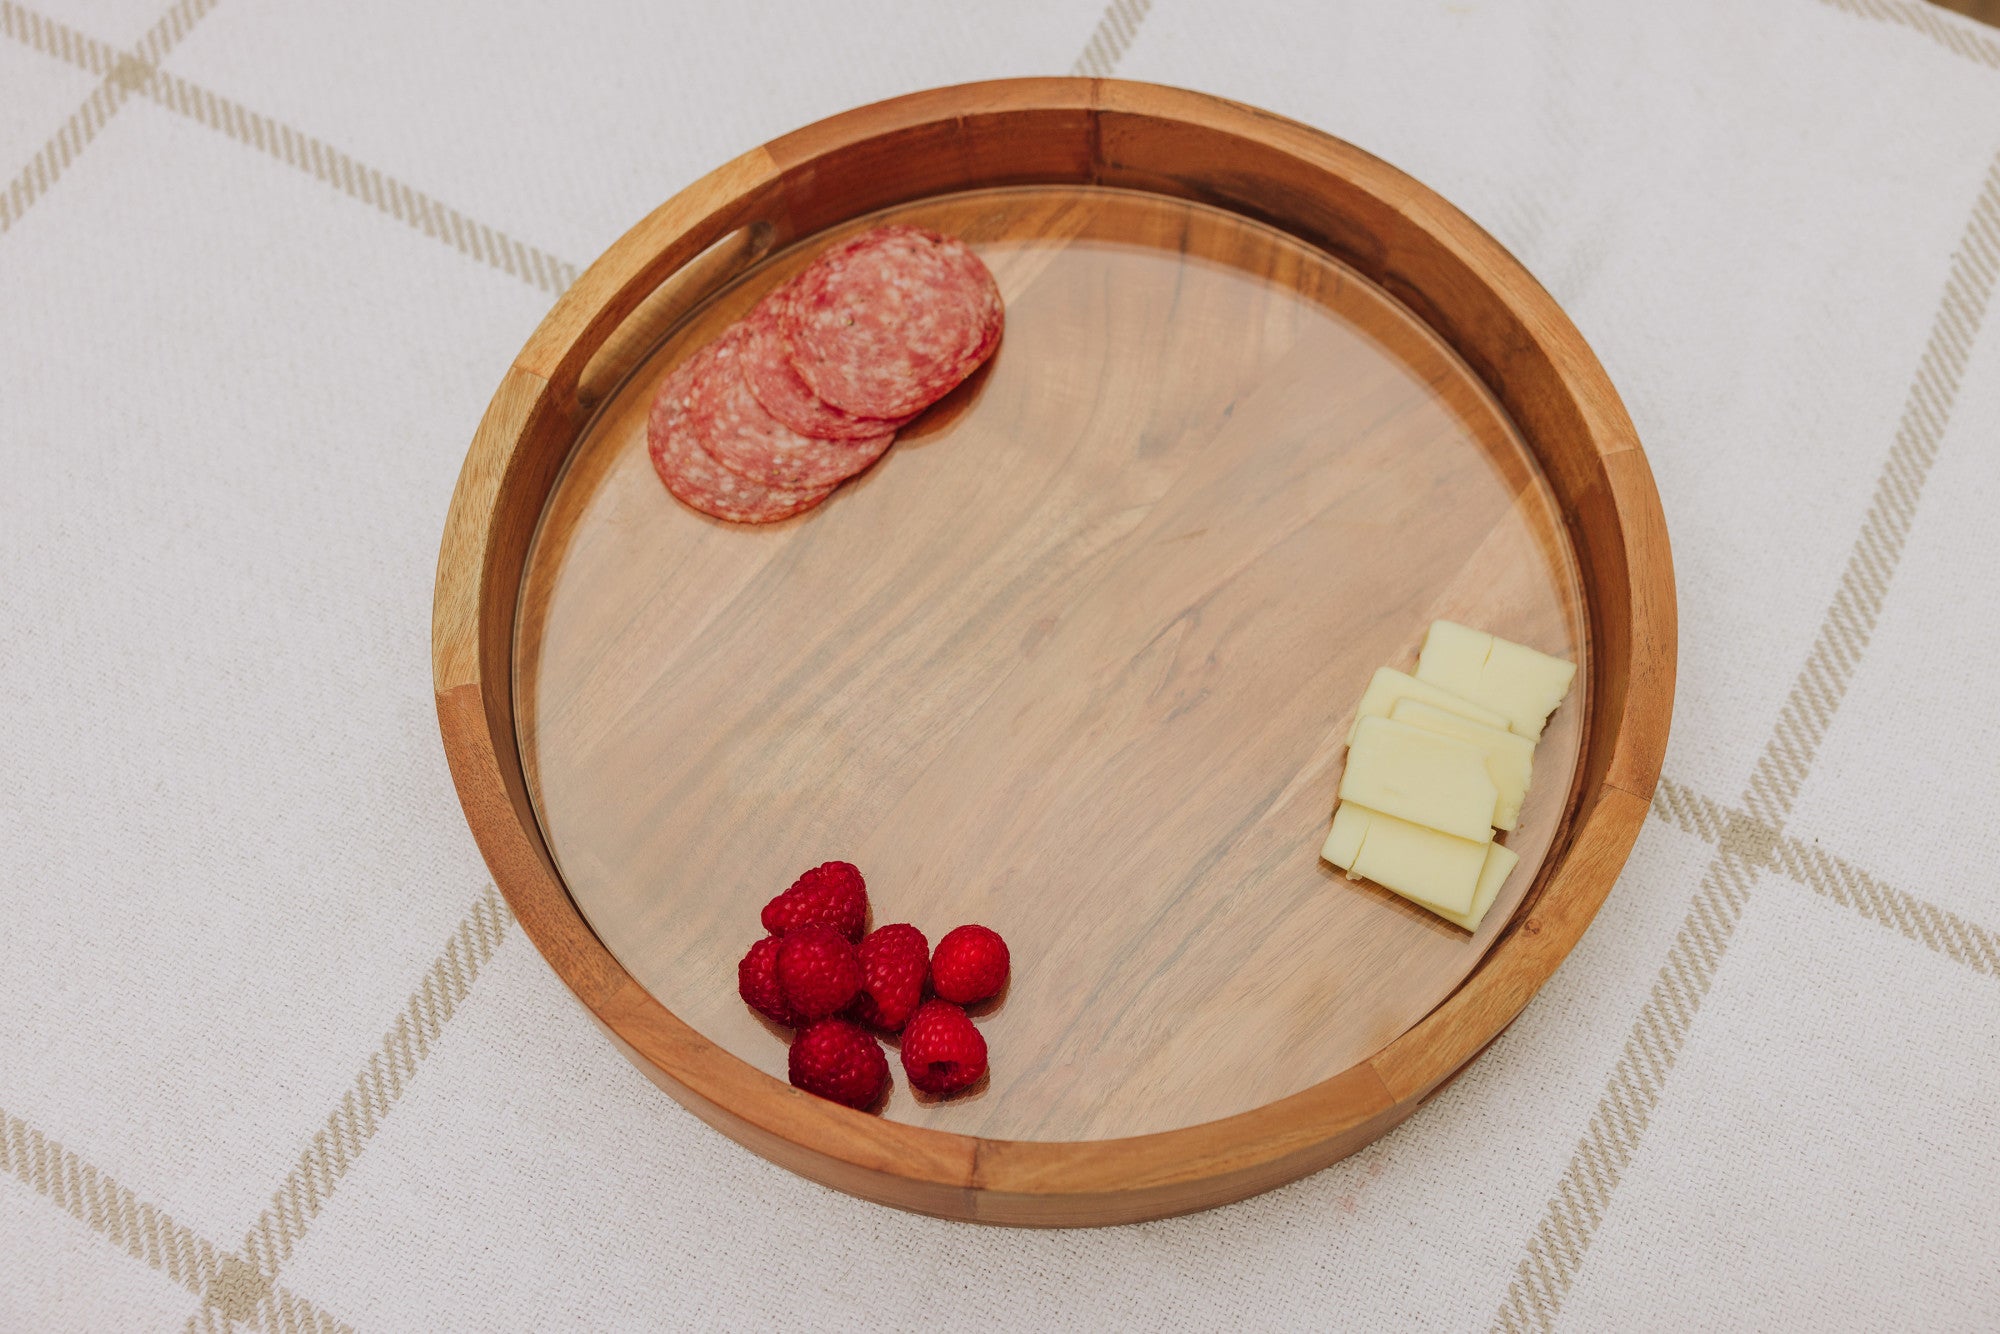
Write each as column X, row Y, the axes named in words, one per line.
column 1927, row 924
column 1749, row 840
column 1112, row 38
column 129, row 1223
column 120, row 73
column 126, row 74
column 241, row 1287
column 1953, row 35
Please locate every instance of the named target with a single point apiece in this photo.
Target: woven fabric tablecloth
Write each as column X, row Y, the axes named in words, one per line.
column 272, row 1051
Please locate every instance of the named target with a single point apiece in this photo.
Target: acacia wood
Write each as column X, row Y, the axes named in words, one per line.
column 1075, row 659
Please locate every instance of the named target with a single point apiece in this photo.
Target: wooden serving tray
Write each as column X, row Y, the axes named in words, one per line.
column 1076, row 660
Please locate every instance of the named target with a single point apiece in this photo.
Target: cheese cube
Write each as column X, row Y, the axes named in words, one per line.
column 1510, row 759
column 1436, row 781
column 1496, row 674
column 1500, row 862
column 1389, row 685
column 1424, row 866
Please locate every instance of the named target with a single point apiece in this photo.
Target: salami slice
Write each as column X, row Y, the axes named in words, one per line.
column 767, row 368
column 729, row 422
column 887, row 324
column 697, row 480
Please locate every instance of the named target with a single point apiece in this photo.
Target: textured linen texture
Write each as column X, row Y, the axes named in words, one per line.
column 272, row 1054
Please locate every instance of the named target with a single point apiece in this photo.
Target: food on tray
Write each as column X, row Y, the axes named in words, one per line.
column 757, row 983
column 1436, row 869
column 895, row 963
column 694, row 475
column 831, row 894
column 1388, row 686
column 1510, row 757
column 729, row 422
column 942, row 1052
column 890, row 322
column 1420, row 776
column 836, row 1059
column 818, row 972
column 810, row 388
column 969, row 965
column 1495, row 674
column 768, row 370
column 1437, row 762
column 1500, row 863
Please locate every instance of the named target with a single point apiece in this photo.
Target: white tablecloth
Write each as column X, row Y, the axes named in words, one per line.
column 273, row 1053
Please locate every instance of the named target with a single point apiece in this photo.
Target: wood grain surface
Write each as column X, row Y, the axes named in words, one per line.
column 1075, row 661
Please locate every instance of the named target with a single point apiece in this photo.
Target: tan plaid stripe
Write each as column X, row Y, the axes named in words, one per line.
column 242, row 1287
column 284, row 1313
column 1753, row 838
column 349, row 1127
column 1925, row 923
column 126, row 75
column 1690, row 810
column 121, row 75
column 56, row 39
column 141, row 1230
column 47, row 166
column 328, row 165
column 1583, row 1194
column 1952, row 36
column 105, row 1207
column 1850, row 622
column 163, row 36
column 1846, row 884
column 1112, row 38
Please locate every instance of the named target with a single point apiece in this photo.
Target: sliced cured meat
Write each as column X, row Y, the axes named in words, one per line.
column 729, row 422
column 696, row 479
column 887, row 324
column 768, row 370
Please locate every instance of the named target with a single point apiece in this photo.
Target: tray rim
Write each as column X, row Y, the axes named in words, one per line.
column 1184, row 144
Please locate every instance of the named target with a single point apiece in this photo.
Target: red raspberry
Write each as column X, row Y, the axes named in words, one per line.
column 942, row 1051
column 837, row 1060
column 894, row 962
column 969, row 965
column 818, row 971
column 757, row 982
column 832, row 895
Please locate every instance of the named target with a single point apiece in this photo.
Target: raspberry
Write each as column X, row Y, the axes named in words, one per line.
column 969, row 965
column 894, row 962
column 832, row 895
column 757, row 982
column 818, row 971
column 942, row 1051
column 837, row 1060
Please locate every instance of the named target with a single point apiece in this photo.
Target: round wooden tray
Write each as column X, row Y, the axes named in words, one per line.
column 1075, row 660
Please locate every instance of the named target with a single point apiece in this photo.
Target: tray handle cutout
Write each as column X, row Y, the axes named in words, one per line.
column 677, row 295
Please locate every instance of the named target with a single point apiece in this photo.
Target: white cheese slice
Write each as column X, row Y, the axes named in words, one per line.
column 1500, row 862
column 1434, row 870
column 1436, row 781
column 1510, row 758
column 1389, row 685
column 1497, row 674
